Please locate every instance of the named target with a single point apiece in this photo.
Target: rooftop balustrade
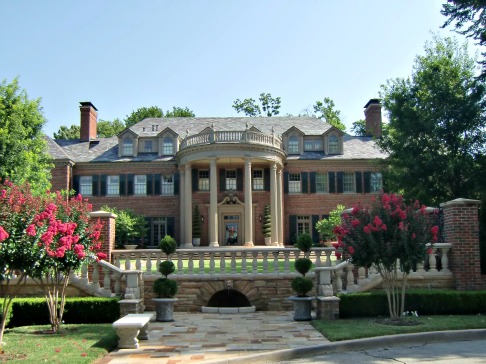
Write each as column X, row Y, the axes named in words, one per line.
column 245, row 136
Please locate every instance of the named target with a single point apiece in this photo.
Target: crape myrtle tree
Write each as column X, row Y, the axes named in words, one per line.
column 45, row 238
column 23, row 148
column 436, row 136
column 393, row 237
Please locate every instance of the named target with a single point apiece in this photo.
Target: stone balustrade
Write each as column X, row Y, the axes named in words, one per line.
column 245, row 136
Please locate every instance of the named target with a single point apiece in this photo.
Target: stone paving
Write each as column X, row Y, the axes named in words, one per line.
column 200, row 337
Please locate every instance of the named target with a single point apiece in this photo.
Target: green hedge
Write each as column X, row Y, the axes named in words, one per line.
column 425, row 302
column 33, row 311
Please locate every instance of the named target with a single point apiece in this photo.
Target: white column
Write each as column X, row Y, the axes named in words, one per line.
column 280, row 207
column 273, row 203
column 188, row 207
column 182, row 217
column 213, row 204
column 248, row 205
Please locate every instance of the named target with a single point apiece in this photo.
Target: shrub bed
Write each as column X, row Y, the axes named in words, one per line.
column 425, row 302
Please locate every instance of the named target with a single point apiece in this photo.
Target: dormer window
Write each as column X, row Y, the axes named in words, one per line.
column 127, row 146
column 167, row 146
column 313, row 145
column 293, row 145
column 334, row 144
column 147, row 146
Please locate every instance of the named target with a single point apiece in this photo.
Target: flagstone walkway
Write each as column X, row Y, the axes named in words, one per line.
column 200, row 337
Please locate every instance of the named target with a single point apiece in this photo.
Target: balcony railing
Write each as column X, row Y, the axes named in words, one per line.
column 245, row 136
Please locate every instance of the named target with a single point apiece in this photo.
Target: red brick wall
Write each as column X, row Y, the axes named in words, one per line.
column 61, row 176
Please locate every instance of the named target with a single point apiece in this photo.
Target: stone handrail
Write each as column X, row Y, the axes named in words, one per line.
column 255, row 260
column 344, row 278
column 245, row 136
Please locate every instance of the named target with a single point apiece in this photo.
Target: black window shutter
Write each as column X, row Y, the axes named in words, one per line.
column 239, row 179
column 292, row 229
column 103, row 185
column 195, row 180
column 170, row 226
column 76, row 184
column 286, row 182
column 130, row 182
column 266, row 179
column 176, row 183
column 359, row 182
column 123, row 182
column 313, row 182
column 304, row 185
column 157, row 184
column 367, row 182
column 340, row 179
column 150, row 184
column 95, row 180
column 222, row 180
column 315, row 233
column 332, row 182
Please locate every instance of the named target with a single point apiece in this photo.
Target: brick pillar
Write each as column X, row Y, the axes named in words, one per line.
column 461, row 230
column 107, row 237
column 61, row 176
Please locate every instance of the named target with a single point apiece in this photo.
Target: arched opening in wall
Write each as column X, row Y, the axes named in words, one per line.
column 229, row 298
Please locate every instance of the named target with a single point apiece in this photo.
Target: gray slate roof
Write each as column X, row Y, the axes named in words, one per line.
column 106, row 149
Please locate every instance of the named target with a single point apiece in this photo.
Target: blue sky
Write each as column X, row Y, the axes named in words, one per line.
column 122, row 55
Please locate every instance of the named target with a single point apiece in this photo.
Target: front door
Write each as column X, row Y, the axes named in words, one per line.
column 231, row 225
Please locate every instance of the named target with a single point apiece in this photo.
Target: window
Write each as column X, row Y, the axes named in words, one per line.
column 230, row 179
column 203, row 181
column 167, row 185
column 127, row 146
column 313, row 144
column 294, row 183
column 167, row 146
column 86, row 185
column 376, row 182
column 159, row 230
column 348, row 182
column 303, row 225
column 293, row 145
column 140, row 184
column 258, row 180
column 147, row 146
column 321, row 183
column 333, row 144
column 113, row 185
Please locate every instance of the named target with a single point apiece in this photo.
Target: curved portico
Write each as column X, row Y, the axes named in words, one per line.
column 222, row 171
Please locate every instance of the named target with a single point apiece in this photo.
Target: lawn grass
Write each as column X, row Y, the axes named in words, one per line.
column 358, row 328
column 74, row 344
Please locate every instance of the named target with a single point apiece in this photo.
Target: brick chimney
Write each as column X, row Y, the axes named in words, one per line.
column 89, row 116
column 373, row 118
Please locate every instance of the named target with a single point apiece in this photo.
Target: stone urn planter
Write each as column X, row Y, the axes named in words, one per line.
column 302, row 307
column 164, row 309
column 130, row 246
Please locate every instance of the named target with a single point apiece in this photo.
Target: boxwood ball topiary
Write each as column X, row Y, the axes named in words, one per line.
column 304, row 242
column 165, row 288
column 166, row 268
column 302, row 285
column 168, row 245
column 303, row 265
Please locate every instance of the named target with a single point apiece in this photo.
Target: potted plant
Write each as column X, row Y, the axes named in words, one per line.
column 164, row 288
column 196, row 226
column 302, row 285
column 326, row 226
column 267, row 225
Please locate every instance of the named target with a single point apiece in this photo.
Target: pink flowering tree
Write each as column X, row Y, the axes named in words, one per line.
column 390, row 236
column 45, row 238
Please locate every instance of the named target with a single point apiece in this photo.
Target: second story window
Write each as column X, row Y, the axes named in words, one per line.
column 333, row 144
column 313, row 145
column 113, row 185
column 230, row 180
column 140, row 184
column 127, row 146
column 258, row 180
column 293, row 145
column 167, row 146
column 294, row 183
column 321, row 183
column 203, row 180
column 167, row 185
column 86, row 185
column 148, row 145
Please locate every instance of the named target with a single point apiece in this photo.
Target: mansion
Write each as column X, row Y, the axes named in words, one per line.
column 231, row 168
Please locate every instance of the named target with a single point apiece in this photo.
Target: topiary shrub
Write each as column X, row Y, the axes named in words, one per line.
column 168, row 245
column 304, row 242
column 166, row 268
column 303, row 265
column 165, row 288
column 302, row 285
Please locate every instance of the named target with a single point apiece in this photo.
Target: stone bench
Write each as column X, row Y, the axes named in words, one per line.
column 131, row 328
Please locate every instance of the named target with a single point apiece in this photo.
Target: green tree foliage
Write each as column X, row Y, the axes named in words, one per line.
column 359, row 128
column 64, row 132
column 469, row 18
column 326, row 110
column 326, row 226
column 269, row 105
column 436, row 133
column 23, row 149
column 106, row 128
column 179, row 112
column 129, row 225
column 143, row 113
